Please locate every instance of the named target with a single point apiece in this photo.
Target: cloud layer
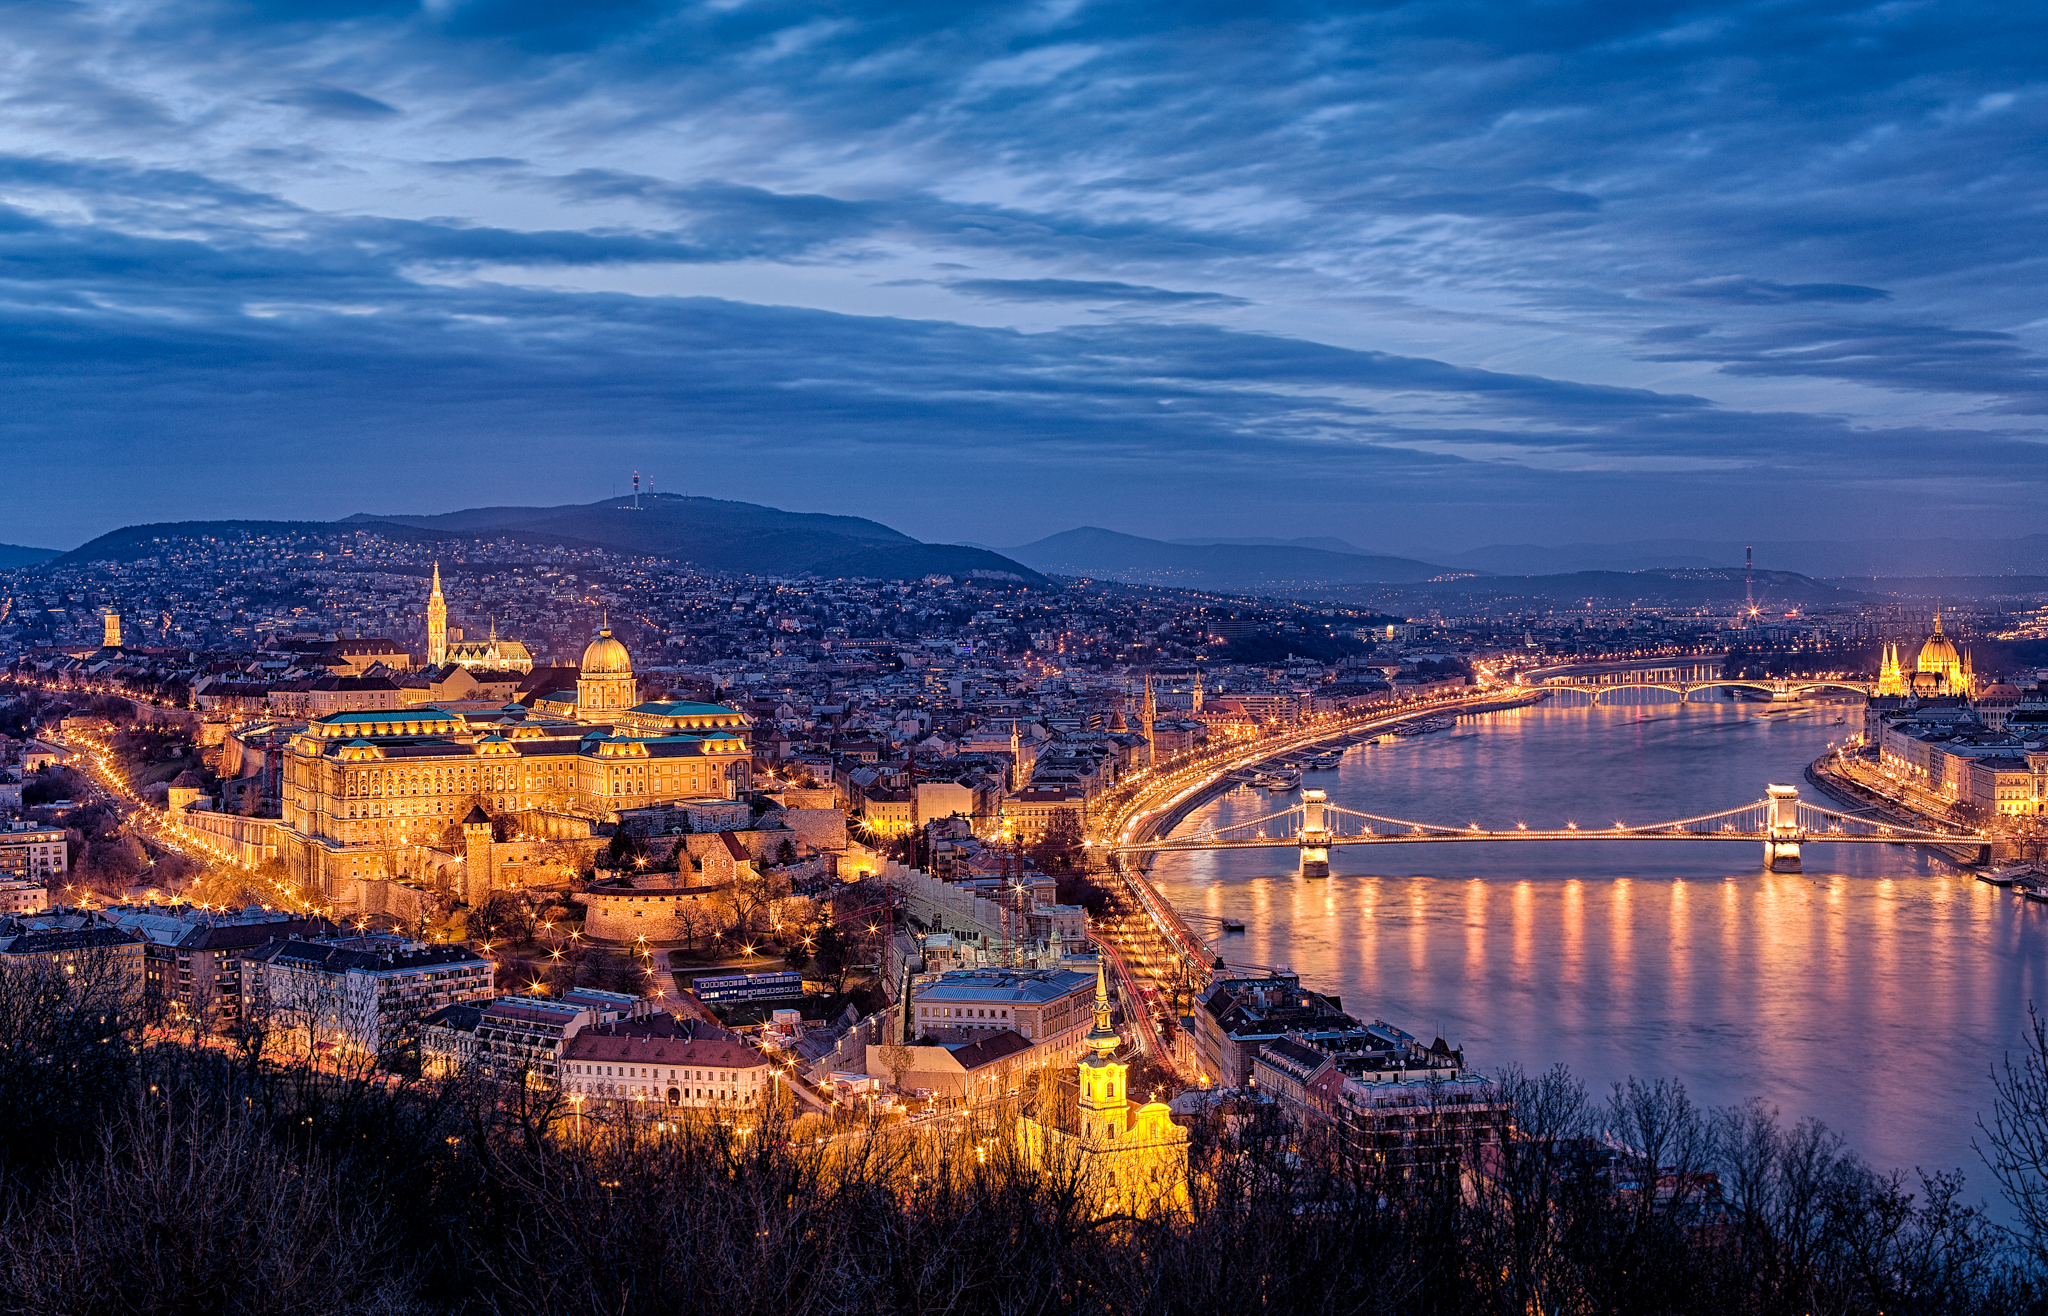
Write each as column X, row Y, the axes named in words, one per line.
column 1443, row 273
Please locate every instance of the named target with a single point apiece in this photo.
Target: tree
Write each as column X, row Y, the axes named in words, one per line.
column 2018, row 1134
column 1060, row 848
column 624, row 850
column 900, row 1060
column 834, row 956
column 501, row 916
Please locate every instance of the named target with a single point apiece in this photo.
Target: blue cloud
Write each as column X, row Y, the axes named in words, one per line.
column 1085, row 290
column 1763, row 292
column 1478, row 257
column 334, row 103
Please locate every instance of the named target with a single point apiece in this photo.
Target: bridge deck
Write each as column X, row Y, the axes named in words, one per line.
column 1754, row 838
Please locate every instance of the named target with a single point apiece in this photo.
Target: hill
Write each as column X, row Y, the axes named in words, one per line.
column 708, row 533
column 718, row 535
column 1776, row 591
column 1327, row 543
column 140, row 541
column 1253, row 568
column 2027, row 554
column 16, row 555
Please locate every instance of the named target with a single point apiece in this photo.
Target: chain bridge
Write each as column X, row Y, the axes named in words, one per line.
column 1780, row 822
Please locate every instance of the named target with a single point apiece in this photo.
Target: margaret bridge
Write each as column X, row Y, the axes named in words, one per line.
column 1687, row 680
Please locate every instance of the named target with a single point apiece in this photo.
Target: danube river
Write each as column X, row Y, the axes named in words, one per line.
column 1874, row 991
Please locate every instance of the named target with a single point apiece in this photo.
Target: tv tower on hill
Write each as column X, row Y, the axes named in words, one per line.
column 1748, row 580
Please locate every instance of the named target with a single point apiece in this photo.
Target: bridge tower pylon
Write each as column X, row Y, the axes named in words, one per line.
column 1315, row 835
column 1782, row 832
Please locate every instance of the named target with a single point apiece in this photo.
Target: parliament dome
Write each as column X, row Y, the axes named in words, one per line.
column 1938, row 654
column 605, row 656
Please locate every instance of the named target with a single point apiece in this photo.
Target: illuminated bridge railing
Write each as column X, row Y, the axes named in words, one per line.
column 1792, row 821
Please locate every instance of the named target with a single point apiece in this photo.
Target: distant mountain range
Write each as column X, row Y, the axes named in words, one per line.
column 1775, row 591
column 1238, row 567
column 1820, row 558
column 1323, row 542
column 709, row 533
column 15, row 555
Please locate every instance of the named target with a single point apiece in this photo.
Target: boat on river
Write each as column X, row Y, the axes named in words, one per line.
column 1283, row 779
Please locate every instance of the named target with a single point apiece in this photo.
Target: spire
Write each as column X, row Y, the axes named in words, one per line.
column 437, row 623
column 1102, row 1038
column 1937, row 621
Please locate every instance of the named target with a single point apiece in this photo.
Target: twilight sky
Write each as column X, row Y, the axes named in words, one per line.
column 1431, row 274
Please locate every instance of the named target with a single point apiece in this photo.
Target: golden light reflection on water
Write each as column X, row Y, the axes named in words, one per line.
column 1475, row 926
column 1679, row 929
column 1621, row 937
column 1524, row 906
column 1835, row 993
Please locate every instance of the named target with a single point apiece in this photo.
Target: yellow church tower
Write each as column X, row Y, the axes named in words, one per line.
column 1131, row 1158
column 1105, row 1093
column 437, row 623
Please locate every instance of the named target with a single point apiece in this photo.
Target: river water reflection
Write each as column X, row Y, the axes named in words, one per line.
column 1873, row 991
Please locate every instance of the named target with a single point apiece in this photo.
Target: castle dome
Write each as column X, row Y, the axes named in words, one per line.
column 605, row 656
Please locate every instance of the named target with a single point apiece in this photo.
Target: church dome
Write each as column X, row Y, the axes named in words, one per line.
column 605, row 656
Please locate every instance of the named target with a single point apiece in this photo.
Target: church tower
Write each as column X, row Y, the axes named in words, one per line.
column 437, row 623
column 1151, row 717
column 1105, row 1099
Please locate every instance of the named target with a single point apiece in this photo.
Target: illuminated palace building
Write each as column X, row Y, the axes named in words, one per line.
column 365, row 791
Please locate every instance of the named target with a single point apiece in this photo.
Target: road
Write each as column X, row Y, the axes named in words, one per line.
column 1184, row 961
column 152, row 825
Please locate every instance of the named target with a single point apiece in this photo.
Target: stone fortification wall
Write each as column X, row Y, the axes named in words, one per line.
column 375, row 895
column 938, row 904
column 656, row 912
column 820, row 829
column 246, row 841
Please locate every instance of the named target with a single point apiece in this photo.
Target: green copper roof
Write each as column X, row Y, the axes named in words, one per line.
column 424, row 713
column 684, row 709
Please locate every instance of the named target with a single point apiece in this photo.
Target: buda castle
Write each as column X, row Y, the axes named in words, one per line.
column 367, row 793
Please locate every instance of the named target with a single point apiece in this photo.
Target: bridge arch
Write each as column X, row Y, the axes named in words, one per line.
column 1686, row 689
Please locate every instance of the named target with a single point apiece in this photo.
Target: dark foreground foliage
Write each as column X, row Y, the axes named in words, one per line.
column 141, row 1178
